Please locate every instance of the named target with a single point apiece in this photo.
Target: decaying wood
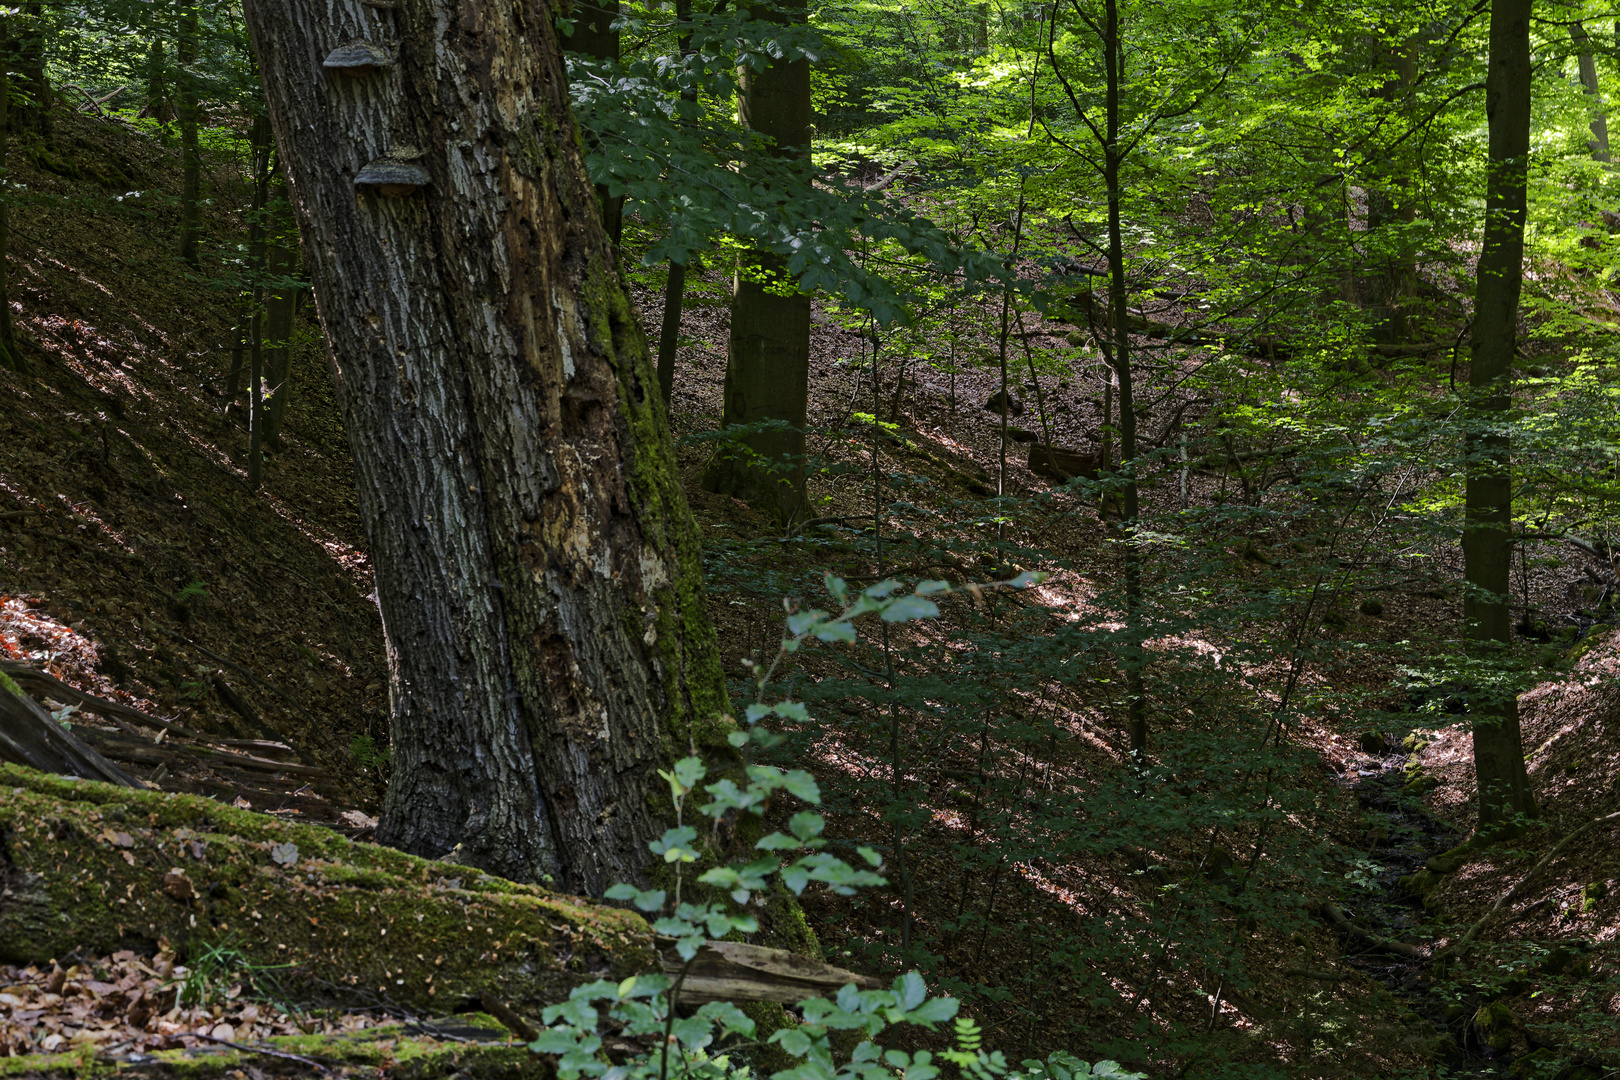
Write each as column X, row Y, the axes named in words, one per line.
column 734, row 971
column 445, row 1050
column 30, row 737
column 94, row 867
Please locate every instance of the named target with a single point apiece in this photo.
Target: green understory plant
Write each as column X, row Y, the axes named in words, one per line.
column 641, row 1010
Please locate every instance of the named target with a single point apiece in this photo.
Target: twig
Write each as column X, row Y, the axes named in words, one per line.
column 503, row 1012
column 315, row 724
column 835, row 519
column 1456, row 951
column 1372, row 940
column 265, row 1050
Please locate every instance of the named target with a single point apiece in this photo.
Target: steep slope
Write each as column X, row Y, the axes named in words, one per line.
column 134, row 560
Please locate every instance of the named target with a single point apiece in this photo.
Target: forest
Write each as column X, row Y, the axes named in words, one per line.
column 810, row 539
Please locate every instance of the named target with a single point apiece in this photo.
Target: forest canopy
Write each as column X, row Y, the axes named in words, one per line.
column 1096, row 515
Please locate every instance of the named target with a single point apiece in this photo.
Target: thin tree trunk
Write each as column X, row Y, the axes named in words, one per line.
column 280, row 306
column 255, row 455
column 1389, row 207
column 1504, row 788
column 189, row 109
column 768, row 349
column 157, row 84
column 1118, row 299
column 537, row 566
column 595, row 37
column 10, row 355
column 1599, row 143
column 669, row 334
column 33, row 112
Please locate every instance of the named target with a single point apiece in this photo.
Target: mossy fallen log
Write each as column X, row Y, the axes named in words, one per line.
column 88, row 869
column 96, row 868
column 480, row 1049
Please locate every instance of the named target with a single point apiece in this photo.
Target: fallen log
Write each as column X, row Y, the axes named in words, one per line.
column 734, row 971
column 444, row 1050
column 1373, row 941
column 98, row 868
column 29, row 736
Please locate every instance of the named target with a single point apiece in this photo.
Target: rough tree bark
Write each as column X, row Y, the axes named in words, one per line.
column 768, row 350
column 1504, row 787
column 537, row 565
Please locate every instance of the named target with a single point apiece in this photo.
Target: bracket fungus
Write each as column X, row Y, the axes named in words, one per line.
column 358, row 58
column 395, row 174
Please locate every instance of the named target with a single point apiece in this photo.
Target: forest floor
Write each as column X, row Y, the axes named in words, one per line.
column 136, row 565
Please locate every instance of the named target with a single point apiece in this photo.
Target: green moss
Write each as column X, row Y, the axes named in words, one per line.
column 1421, row 884
column 1595, row 636
column 430, row 935
column 1496, row 1024
column 401, row 1053
column 1449, row 862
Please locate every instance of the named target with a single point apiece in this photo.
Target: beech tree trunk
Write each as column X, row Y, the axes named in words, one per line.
column 188, row 111
column 157, row 84
column 31, row 105
column 537, row 566
column 595, row 37
column 669, row 333
column 1599, row 142
column 280, row 308
column 10, row 355
column 768, row 349
column 1504, row 788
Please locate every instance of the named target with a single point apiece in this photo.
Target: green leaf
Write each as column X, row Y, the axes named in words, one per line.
column 910, row 990
column 909, row 609
column 934, row 1011
column 803, row 785
column 932, row 588
column 838, row 631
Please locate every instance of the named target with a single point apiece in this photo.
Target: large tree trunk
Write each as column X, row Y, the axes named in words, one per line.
column 768, row 350
column 1504, row 788
column 537, row 565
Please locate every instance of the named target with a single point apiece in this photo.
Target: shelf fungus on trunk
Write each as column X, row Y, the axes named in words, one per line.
column 395, row 174
column 358, row 58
